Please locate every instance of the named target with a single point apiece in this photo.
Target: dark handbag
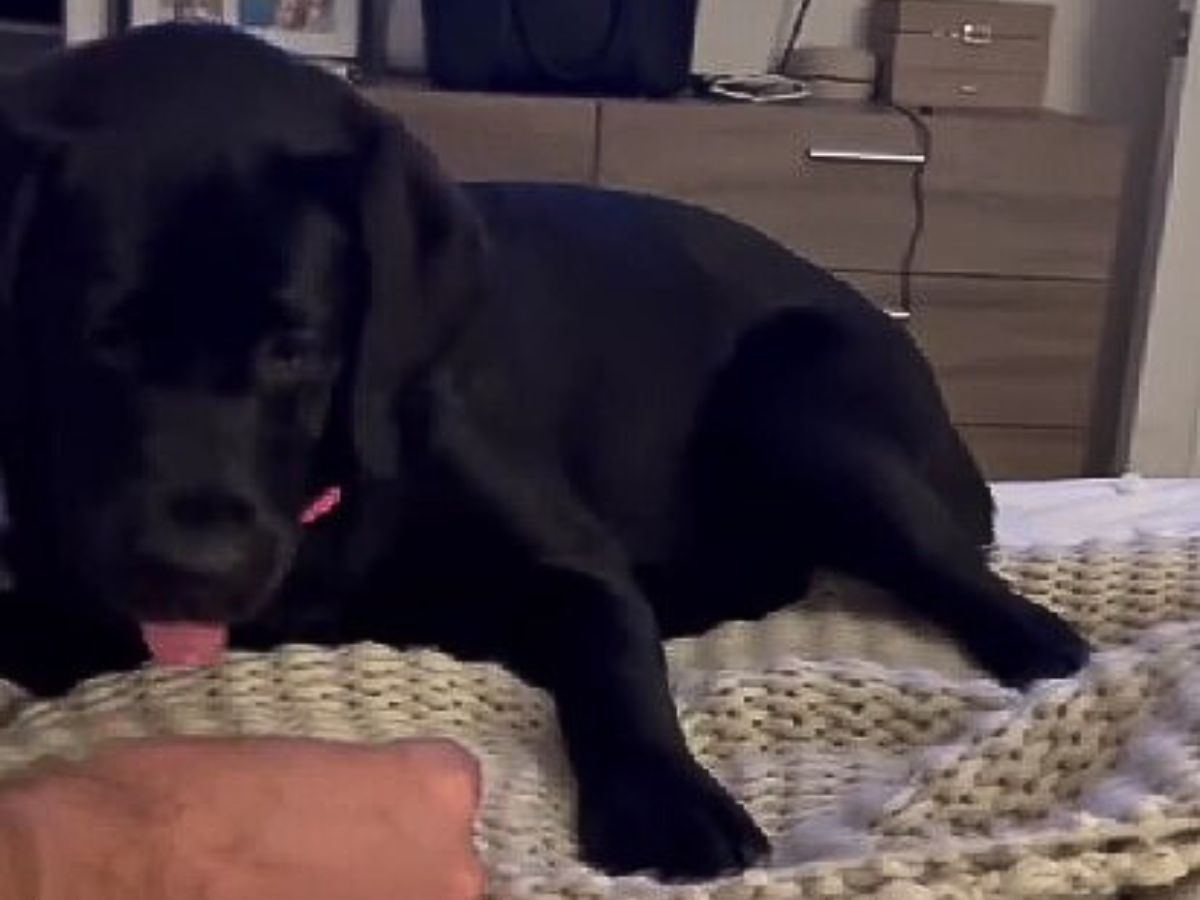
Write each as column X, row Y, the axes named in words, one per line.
column 632, row 47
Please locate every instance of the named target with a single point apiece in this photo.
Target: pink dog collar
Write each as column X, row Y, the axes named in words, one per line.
column 327, row 501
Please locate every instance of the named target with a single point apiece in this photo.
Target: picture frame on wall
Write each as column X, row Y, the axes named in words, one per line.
column 152, row 12
column 328, row 29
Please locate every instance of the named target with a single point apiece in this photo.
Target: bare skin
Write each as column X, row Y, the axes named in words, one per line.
column 234, row 819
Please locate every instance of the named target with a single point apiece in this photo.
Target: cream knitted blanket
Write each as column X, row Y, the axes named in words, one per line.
column 905, row 778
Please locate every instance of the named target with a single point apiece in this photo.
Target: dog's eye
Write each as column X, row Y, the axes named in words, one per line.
column 291, row 354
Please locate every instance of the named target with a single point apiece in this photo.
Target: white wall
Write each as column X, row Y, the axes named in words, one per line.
column 1106, row 60
column 84, row 20
column 1166, row 422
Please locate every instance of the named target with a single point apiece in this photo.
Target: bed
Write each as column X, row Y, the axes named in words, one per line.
column 1115, row 510
column 867, row 746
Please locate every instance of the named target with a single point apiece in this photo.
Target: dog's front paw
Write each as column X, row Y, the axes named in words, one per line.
column 669, row 818
column 1027, row 643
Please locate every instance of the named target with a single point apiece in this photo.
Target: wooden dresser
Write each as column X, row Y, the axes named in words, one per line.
column 1011, row 276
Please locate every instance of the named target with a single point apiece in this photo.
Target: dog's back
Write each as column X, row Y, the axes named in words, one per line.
column 633, row 337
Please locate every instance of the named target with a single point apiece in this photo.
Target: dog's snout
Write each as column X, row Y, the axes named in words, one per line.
column 201, row 552
column 210, row 508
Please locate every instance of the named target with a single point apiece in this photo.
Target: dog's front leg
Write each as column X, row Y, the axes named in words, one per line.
column 581, row 629
column 645, row 804
column 47, row 647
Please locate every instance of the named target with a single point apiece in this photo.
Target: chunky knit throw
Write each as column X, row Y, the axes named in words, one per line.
column 906, row 777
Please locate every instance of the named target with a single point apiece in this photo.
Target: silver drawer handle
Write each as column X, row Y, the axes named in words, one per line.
column 900, row 315
column 976, row 34
column 871, row 157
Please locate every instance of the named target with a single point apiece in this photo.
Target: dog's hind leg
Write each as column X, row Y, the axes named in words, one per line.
column 952, row 473
column 870, row 512
column 832, row 423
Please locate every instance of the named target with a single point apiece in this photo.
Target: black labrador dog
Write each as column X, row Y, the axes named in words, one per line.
column 567, row 423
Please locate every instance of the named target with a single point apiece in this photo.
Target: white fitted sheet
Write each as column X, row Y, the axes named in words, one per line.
column 1109, row 510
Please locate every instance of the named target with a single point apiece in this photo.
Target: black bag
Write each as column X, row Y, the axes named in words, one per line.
column 636, row 47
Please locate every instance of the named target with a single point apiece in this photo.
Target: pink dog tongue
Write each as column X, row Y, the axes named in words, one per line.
column 194, row 644
column 185, row 643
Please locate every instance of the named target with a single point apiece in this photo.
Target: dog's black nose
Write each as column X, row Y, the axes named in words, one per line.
column 210, row 508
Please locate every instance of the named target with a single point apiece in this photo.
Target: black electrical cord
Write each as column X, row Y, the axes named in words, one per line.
column 925, row 149
column 797, row 27
column 924, row 138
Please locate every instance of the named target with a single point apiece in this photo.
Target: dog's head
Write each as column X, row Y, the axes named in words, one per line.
column 218, row 268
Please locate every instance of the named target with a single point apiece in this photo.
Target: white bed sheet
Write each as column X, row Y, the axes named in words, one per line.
column 1071, row 512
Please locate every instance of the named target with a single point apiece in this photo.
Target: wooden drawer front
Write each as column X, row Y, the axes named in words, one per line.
column 933, row 52
column 967, row 89
column 1038, row 197
column 1005, row 20
column 1007, row 352
column 1027, row 454
column 753, row 164
column 498, row 136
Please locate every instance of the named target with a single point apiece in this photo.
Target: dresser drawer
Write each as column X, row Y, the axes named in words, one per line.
column 757, row 165
column 931, row 52
column 1027, row 454
column 1006, row 352
column 967, row 89
column 1034, row 196
column 499, row 136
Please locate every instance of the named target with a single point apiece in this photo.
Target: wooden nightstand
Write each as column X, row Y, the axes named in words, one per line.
column 1013, row 272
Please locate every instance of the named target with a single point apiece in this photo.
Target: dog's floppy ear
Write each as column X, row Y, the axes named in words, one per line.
column 423, row 247
column 21, row 159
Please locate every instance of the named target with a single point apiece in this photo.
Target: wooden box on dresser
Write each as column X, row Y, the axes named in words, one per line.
column 1011, row 274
